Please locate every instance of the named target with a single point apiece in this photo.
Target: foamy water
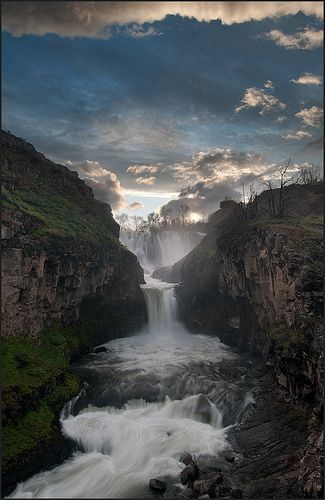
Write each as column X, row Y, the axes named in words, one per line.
column 148, row 398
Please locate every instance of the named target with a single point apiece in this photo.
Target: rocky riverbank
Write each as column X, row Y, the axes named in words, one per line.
column 257, row 284
column 68, row 284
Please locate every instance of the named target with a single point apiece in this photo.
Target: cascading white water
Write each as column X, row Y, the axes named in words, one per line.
column 161, row 307
column 158, row 249
column 149, row 398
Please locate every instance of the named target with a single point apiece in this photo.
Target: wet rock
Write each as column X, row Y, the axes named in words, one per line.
column 186, row 493
column 223, row 491
column 203, row 487
column 204, row 409
column 204, row 497
column 189, row 473
column 215, row 477
column 97, row 350
column 158, row 486
column 185, row 458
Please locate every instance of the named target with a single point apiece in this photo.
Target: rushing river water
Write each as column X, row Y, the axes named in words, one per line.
column 146, row 399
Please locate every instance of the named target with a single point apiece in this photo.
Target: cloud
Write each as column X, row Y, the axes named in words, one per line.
column 137, row 31
column 257, row 98
column 307, row 39
column 104, row 183
column 94, row 19
column 142, row 169
column 298, row 136
column 135, row 205
column 146, row 180
column 311, row 117
column 212, row 175
column 308, row 79
column 268, row 84
column 281, row 119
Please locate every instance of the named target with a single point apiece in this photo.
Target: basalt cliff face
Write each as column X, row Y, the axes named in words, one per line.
column 67, row 285
column 259, row 286
column 49, row 264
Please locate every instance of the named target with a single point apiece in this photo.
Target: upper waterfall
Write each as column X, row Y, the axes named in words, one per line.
column 161, row 248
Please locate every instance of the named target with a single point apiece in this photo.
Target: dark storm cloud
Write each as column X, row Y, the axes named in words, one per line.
column 93, row 19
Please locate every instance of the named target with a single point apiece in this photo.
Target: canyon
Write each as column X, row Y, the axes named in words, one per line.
column 228, row 356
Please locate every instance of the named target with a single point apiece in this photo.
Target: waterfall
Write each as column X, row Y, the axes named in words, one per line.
column 161, row 307
column 158, row 249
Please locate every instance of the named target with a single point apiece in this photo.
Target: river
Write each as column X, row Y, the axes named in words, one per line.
column 146, row 399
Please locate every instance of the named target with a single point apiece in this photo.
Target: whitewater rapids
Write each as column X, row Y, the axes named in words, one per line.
column 147, row 399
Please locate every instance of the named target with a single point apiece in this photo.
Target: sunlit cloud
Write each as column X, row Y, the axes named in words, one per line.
column 311, row 117
column 136, row 205
column 142, row 169
column 258, row 98
column 306, row 39
column 268, row 84
column 308, row 79
column 298, row 135
column 104, row 183
column 146, row 180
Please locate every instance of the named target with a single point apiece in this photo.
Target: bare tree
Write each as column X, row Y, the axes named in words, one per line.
column 309, row 174
column 153, row 220
column 183, row 211
column 123, row 220
column 249, row 204
column 277, row 189
column 167, row 215
column 137, row 221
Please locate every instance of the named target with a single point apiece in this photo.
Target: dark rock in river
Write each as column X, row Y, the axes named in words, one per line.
column 100, row 349
column 203, row 487
column 189, row 473
column 186, row 493
column 157, row 486
column 185, row 458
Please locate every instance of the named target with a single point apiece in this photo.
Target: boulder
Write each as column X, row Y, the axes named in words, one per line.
column 203, row 487
column 215, row 477
column 158, row 486
column 186, row 493
column 189, row 473
column 97, row 350
column 185, row 458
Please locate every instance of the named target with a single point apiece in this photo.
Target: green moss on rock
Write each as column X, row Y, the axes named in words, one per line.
column 37, row 428
column 286, row 339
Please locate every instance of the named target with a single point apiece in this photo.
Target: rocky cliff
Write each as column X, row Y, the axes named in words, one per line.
column 257, row 284
column 67, row 285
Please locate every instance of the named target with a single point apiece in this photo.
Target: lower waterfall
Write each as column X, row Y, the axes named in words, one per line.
column 145, row 401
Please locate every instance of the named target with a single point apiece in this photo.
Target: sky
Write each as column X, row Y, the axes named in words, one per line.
column 153, row 103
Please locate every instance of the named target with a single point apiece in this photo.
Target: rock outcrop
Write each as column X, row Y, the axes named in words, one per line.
column 59, row 245
column 258, row 285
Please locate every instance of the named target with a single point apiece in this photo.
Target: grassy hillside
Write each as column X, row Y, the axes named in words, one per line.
column 52, row 195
